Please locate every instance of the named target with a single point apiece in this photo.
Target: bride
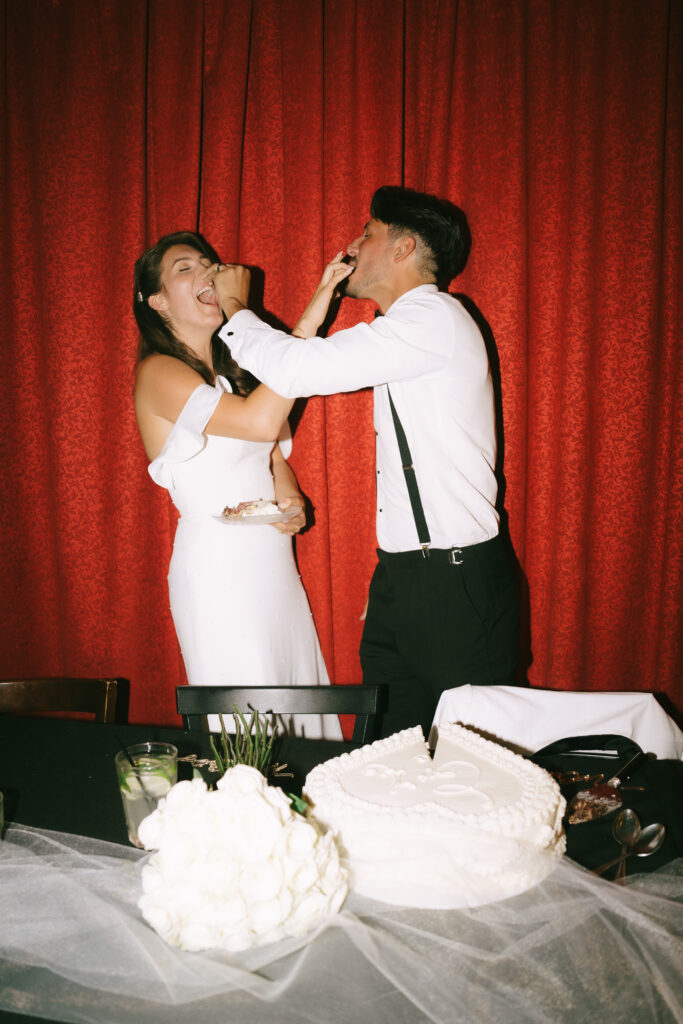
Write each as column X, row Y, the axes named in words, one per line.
column 215, row 437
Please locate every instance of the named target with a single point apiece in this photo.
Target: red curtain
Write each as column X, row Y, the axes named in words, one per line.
column 555, row 124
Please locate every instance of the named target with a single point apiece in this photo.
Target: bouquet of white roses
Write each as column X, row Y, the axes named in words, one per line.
column 236, row 867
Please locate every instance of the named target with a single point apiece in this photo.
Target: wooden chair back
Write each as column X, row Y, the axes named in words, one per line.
column 365, row 702
column 106, row 699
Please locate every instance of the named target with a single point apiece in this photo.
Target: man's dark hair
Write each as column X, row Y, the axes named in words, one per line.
column 440, row 224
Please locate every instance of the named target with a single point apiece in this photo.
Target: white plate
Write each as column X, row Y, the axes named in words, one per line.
column 275, row 517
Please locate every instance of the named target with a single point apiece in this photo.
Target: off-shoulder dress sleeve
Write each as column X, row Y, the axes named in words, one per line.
column 186, row 438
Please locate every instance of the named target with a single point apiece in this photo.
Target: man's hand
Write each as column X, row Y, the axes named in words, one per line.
column 231, row 284
column 334, row 273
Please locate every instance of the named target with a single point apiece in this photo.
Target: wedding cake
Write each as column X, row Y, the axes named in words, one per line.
column 473, row 824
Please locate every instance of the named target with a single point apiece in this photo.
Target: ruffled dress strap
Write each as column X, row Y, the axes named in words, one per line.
column 187, row 437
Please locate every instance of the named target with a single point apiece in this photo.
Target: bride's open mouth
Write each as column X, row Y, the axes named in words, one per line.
column 207, row 295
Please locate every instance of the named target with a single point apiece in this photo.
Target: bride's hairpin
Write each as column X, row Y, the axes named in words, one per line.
column 139, row 296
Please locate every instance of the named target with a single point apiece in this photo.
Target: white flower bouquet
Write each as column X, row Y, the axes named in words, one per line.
column 236, row 867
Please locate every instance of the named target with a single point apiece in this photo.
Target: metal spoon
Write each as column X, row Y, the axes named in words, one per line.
column 626, row 830
column 649, row 841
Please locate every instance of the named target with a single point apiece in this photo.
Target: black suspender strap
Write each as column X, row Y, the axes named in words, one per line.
column 411, row 481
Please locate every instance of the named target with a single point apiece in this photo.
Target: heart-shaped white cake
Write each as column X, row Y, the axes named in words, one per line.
column 473, row 824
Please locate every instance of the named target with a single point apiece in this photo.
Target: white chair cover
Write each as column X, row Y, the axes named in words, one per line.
column 528, row 719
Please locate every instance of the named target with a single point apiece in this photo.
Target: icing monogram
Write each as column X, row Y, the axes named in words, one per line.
column 424, row 781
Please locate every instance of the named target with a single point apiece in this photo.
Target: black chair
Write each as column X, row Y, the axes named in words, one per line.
column 106, row 699
column 365, row 702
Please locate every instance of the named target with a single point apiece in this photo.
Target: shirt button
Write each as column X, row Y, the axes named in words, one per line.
column 229, row 333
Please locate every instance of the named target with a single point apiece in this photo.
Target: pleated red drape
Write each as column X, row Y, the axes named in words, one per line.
column 555, row 124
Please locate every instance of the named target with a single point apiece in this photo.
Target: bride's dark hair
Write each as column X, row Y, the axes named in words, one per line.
column 155, row 333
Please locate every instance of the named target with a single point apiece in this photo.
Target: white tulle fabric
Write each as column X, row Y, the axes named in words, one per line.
column 574, row 948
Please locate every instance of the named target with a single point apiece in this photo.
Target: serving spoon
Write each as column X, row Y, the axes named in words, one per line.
column 648, row 841
column 626, row 829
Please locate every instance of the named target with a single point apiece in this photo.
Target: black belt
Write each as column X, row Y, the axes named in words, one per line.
column 452, row 556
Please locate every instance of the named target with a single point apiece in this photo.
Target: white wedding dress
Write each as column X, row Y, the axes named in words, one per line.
column 238, row 604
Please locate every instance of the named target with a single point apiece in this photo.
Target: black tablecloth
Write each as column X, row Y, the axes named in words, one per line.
column 59, row 774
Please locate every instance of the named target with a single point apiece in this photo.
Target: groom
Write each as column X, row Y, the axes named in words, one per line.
column 443, row 601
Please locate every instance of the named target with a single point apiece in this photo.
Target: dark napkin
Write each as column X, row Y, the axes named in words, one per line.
column 591, row 842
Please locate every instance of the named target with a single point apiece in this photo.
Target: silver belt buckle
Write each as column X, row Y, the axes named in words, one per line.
column 452, row 556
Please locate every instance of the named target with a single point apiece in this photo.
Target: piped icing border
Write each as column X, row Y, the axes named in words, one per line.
column 541, row 803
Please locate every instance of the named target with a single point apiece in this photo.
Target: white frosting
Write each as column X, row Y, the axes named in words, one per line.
column 249, row 509
column 236, row 867
column 474, row 824
column 262, row 507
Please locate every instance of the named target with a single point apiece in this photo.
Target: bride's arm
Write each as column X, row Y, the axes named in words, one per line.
column 164, row 384
column 287, row 491
column 310, row 320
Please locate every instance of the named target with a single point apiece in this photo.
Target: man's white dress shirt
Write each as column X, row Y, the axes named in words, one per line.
column 429, row 351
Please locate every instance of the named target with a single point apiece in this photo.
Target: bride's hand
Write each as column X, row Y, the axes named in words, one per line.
column 334, row 273
column 297, row 522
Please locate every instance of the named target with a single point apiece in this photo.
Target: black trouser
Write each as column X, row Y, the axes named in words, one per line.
column 438, row 622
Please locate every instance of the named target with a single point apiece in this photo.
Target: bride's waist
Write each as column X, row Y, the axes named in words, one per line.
column 188, row 517
column 216, row 527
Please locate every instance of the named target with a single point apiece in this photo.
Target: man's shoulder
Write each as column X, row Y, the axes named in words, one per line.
column 431, row 306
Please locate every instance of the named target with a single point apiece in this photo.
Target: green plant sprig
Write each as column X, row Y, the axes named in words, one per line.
column 252, row 744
